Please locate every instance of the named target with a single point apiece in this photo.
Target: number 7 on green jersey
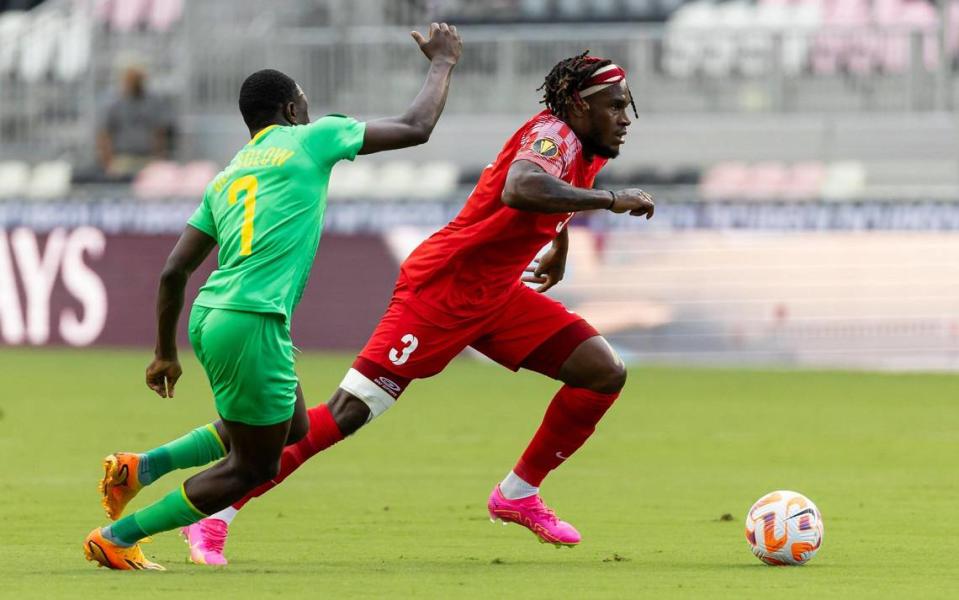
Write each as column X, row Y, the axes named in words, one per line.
column 248, row 184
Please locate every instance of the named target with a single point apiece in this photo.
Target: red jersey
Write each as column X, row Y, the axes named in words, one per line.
column 478, row 258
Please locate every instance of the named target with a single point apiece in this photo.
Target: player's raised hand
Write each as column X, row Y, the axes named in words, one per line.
column 444, row 43
column 162, row 376
column 634, row 201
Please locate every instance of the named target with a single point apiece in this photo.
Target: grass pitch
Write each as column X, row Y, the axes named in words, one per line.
column 399, row 510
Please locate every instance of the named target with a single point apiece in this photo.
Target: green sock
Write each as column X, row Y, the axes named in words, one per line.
column 199, row 447
column 172, row 511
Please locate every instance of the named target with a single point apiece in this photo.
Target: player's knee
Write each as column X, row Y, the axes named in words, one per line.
column 253, row 473
column 360, row 399
column 263, row 471
column 595, row 366
column 299, row 427
column 610, row 377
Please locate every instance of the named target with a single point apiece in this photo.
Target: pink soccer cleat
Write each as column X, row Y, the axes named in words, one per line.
column 534, row 515
column 206, row 539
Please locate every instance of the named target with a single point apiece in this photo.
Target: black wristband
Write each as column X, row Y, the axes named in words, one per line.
column 612, row 199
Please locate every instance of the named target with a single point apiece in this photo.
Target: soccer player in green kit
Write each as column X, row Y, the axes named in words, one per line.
column 265, row 211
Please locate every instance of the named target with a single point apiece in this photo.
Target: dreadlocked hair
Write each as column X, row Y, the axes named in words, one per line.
column 566, row 78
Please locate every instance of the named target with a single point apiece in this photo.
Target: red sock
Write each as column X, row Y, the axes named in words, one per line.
column 570, row 419
column 323, row 433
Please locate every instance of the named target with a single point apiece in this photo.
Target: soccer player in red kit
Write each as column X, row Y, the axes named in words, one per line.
column 464, row 287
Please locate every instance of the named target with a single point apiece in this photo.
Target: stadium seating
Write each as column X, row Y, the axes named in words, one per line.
column 844, row 181
column 351, row 180
column 803, row 17
column 14, row 178
column 684, row 49
column 158, row 179
column 435, row 180
column 46, row 180
column 721, row 50
column 766, row 180
column 395, row 180
column 168, row 179
column 194, row 177
column 830, row 36
column 952, row 32
column 100, row 9
column 725, row 180
column 711, row 56
column 127, row 15
column 439, row 180
column 773, row 180
column 13, row 24
column 73, row 51
column 550, row 11
column 39, row 46
column 164, row 14
column 35, row 45
column 804, row 182
column 50, row 180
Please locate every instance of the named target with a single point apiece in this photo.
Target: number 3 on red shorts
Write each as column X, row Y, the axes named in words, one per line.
column 399, row 357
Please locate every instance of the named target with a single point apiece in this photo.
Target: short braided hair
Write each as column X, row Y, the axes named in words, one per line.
column 263, row 94
column 566, row 78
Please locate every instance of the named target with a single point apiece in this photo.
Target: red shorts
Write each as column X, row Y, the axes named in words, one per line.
column 414, row 340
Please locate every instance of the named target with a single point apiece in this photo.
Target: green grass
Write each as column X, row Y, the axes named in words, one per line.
column 399, row 511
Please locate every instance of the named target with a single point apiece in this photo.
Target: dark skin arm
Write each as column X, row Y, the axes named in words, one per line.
column 189, row 253
column 549, row 269
column 528, row 187
column 415, row 125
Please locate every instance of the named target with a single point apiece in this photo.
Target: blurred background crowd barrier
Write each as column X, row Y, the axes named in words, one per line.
column 804, row 155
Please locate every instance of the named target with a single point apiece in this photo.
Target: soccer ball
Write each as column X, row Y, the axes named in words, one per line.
column 784, row 528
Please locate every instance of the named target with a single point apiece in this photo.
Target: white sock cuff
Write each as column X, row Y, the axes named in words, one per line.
column 371, row 394
column 515, row 487
column 226, row 515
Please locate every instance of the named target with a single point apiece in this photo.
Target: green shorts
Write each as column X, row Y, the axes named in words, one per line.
column 248, row 358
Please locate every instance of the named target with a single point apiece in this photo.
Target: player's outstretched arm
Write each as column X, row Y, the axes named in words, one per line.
column 414, row 127
column 190, row 251
column 529, row 187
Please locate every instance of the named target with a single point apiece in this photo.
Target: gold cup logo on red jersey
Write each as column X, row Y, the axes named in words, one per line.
column 546, row 147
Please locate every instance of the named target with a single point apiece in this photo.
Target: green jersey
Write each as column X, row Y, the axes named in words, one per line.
column 265, row 211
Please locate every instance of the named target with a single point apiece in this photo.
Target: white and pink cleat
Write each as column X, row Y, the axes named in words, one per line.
column 534, row 515
column 206, row 539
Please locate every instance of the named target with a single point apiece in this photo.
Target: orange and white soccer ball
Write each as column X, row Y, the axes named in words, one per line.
column 784, row 528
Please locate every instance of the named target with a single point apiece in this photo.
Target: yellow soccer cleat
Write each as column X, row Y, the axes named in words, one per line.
column 119, row 484
column 107, row 554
